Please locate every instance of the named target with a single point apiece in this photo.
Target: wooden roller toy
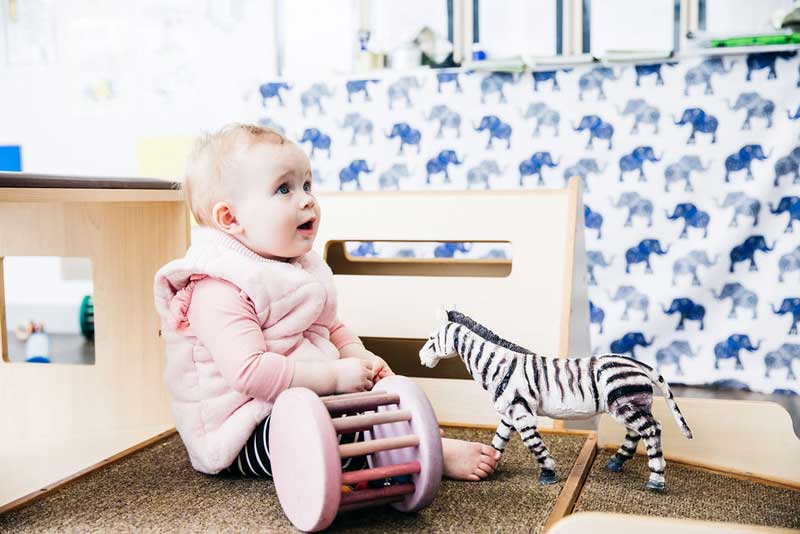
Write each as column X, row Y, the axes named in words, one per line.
column 401, row 439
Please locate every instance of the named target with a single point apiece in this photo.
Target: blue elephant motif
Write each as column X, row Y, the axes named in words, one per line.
column 782, row 358
column 766, row 60
column 546, row 75
column 318, row 140
column 790, row 205
column 481, row 173
column 312, row 97
column 789, row 164
column 796, row 115
column 594, row 259
column 447, row 78
column 747, row 250
column 495, row 254
column 637, row 206
column 544, row 116
column 635, row 161
column 700, row 121
column 682, row 170
column 360, row 125
column 628, row 343
column 352, row 172
column 272, row 90
column 691, row 217
column 702, row 73
column 642, row 113
column 742, row 205
column 407, row 135
column 649, row 70
column 358, row 86
column 729, row 349
column 593, row 220
column 672, row 354
column 689, row 264
column 497, row 130
column 740, row 296
column 641, row 254
column 494, row 83
column 743, row 159
column 597, row 128
column 392, row 176
column 440, row 163
column 406, row 253
column 447, row 119
column 596, row 315
column 594, row 79
column 790, row 305
column 583, row 168
column 401, row 90
column 448, row 250
column 634, row 299
column 533, row 166
column 756, row 106
column 364, row 249
column 688, row 310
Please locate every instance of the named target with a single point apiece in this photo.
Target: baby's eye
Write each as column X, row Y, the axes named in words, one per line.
column 283, row 189
column 307, row 186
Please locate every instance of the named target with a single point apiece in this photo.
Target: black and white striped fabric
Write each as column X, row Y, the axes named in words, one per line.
column 254, row 461
column 524, row 385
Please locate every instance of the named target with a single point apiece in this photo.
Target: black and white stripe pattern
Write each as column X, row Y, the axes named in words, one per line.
column 524, row 385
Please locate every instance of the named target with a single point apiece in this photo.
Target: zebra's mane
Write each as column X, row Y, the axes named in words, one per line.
column 480, row 330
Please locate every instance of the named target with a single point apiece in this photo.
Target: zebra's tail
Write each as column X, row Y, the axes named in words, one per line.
column 659, row 381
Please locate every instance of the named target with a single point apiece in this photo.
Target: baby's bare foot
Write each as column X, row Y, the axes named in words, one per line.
column 467, row 460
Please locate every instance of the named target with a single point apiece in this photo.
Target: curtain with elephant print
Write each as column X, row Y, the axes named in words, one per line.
column 691, row 188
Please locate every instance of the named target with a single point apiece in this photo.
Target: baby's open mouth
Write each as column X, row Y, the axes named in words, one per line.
column 306, row 225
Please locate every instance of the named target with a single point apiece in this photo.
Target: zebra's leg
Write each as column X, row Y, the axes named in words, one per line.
column 503, row 434
column 625, row 452
column 639, row 420
column 525, row 424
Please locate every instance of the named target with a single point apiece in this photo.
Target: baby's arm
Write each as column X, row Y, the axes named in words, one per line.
column 350, row 346
column 225, row 321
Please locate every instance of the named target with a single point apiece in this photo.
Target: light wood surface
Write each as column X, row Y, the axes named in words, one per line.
column 574, row 483
column 22, row 194
column 44, row 406
column 532, row 306
column 750, row 438
column 605, row 523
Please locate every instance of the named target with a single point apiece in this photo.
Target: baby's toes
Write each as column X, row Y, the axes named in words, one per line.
column 490, row 451
column 481, row 473
column 489, row 460
column 486, row 468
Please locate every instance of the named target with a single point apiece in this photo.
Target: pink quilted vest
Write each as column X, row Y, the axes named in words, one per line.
column 296, row 306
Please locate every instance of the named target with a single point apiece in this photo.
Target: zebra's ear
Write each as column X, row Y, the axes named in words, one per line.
column 441, row 314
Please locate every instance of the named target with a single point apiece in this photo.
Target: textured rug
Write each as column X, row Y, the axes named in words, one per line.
column 692, row 493
column 156, row 490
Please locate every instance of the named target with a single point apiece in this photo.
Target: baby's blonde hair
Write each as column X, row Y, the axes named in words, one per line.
column 208, row 179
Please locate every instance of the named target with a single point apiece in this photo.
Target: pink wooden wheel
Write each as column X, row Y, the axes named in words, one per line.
column 304, row 451
column 402, row 439
column 424, row 425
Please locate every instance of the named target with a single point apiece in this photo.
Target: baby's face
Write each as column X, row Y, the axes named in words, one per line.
column 273, row 201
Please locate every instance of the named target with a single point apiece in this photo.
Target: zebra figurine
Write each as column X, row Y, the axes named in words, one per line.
column 524, row 385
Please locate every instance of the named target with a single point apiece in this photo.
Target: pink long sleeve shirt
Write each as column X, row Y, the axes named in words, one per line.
column 235, row 323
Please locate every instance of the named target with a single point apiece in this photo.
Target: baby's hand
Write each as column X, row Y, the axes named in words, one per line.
column 352, row 375
column 380, row 368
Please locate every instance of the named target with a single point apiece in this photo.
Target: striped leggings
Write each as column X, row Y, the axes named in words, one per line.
column 253, row 460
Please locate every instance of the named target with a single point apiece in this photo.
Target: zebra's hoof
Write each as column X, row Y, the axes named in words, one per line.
column 547, row 477
column 614, row 465
column 656, row 486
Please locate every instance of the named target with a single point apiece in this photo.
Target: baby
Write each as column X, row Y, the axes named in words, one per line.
column 251, row 310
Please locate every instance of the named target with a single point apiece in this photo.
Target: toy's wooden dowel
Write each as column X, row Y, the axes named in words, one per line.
column 376, row 493
column 361, row 448
column 377, row 473
column 356, row 423
column 360, row 404
column 329, row 398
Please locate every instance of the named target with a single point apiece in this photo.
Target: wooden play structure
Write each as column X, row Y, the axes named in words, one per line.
column 536, row 298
